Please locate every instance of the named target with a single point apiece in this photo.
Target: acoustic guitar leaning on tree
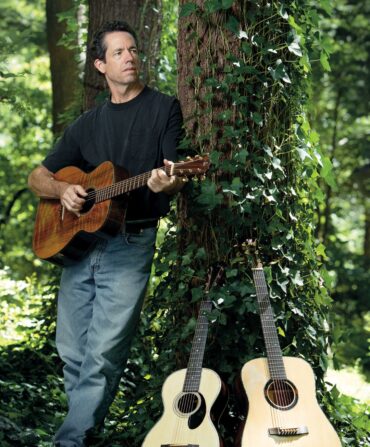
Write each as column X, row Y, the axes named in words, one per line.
column 281, row 394
column 194, row 398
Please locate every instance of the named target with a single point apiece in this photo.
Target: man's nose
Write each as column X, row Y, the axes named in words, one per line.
column 128, row 56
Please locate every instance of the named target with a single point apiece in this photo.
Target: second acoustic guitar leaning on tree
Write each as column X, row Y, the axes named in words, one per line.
column 193, row 398
column 282, row 405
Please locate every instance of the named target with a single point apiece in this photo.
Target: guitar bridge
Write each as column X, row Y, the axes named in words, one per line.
column 294, row 431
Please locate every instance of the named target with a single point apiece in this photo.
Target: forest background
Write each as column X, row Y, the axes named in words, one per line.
column 44, row 84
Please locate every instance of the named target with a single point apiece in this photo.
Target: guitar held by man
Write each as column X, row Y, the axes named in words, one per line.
column 62, row 236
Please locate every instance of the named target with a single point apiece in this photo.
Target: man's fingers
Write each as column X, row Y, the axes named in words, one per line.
column 74, row 198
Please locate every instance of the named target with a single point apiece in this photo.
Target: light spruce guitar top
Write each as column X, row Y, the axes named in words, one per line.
column 281, row 394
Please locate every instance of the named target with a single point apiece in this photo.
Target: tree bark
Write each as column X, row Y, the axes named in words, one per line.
column 145, row 18
column 63, row 62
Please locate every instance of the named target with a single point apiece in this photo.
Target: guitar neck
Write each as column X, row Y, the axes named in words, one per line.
column 194, row 369
column 127, row 185
column 274, row 354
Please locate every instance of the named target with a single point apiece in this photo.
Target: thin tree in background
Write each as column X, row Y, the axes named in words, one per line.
column 63, row 62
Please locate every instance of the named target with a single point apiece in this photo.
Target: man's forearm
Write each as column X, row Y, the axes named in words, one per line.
column 41, row 181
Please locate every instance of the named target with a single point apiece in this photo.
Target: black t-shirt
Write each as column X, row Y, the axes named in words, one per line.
column 136, row 135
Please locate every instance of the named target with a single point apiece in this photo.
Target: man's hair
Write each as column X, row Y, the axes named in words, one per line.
column 98, row 47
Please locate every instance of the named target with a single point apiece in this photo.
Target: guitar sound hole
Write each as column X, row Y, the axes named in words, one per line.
column 89, row 202
column 281, row 394
column 187, row 403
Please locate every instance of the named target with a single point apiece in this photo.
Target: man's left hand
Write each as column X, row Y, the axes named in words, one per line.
column 159, row 181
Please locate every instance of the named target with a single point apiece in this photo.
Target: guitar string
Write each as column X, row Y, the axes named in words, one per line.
column 139, row 180
column 275, row 419
column 283, row 389
column 277, row 372
column 194, row 370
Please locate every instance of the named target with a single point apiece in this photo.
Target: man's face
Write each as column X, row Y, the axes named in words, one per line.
column 122, row 63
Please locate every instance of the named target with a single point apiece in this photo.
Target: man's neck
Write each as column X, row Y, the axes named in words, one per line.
column 126, row 93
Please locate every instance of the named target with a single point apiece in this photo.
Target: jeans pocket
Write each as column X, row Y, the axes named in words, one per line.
column 146, row 238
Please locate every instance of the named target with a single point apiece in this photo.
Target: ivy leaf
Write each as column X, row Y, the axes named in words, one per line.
column 226, row 4
column 326, row 172
column 209, row 196
column 279, row 72
column 241, row 156
column 187, row 9
column 297, row 279
column 233, row 25
column 303, row 154
column 320, row 251
column 283, row 12
column 257, row 118
column 295, row 48
column 324, row 60
column 276, row 163
column 213, row 5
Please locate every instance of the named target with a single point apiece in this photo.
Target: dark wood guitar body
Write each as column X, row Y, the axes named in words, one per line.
column 60, row 236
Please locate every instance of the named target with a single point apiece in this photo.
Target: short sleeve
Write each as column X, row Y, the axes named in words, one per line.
column 66, row 151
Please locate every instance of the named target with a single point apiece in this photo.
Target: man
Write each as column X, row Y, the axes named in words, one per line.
column 101, row 296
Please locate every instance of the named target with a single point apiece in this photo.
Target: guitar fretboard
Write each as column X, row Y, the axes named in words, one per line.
column 194, row 369
column 125, row 186
column 274, row 354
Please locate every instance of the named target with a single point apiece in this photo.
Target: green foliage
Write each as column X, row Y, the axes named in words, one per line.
column 31, row 388
column 350, row 416
column 166, row 71
column 341, row 116
column 24, row 128
column 264, row 184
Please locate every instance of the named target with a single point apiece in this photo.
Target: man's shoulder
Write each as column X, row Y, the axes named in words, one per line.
column 88, row 116
column 164, row 98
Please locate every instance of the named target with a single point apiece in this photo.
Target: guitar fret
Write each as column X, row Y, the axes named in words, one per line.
column 274, row 354
column 194, row 368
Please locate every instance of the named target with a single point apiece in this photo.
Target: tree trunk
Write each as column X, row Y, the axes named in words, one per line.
column 145, row 18
column 63, row 62
column 240, row 88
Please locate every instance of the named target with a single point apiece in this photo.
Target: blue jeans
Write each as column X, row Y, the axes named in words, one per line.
column 99, row 305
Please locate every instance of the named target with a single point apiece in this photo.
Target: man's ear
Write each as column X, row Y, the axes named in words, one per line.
column 100, row 65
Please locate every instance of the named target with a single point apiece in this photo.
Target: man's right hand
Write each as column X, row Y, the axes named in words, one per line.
column 72, row 197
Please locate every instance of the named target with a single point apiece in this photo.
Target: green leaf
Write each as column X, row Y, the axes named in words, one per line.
column 233, row 25
column 326, row 172
column 257, row 118
column 279, row 72
column 209, row 196
column 295, row 48
column 324, row 60
column 226, row 4
column 187, row 9
column 320, row 251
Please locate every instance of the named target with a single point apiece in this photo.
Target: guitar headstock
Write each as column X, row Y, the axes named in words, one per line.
column 250, row 249
column 215, row 276
column 191, row 167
